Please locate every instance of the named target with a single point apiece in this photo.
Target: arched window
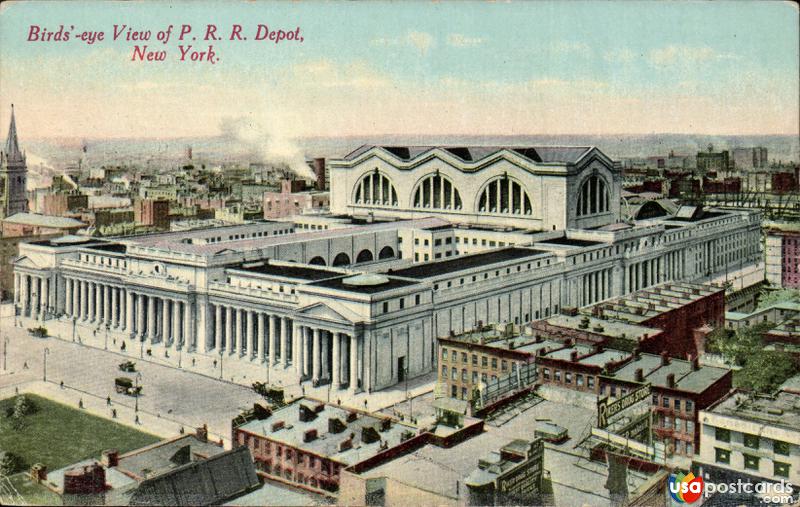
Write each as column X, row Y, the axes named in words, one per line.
column 341, row 260
column 436, row 191
column 364, row 256
column 386, row 252
column 593, row 196
column 506, row 196
column 317, row 261
column 375, row 188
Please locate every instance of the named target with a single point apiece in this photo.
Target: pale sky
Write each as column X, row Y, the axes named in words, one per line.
column 410, row 68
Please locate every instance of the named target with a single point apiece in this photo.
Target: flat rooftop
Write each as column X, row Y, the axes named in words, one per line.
column 686, row 378
column 341, row 284
column 781, row 410
column 156, row 458
column 604, row 327
column 442, row 268
column 330, row 444
column 645, row 304
column 570, row 242
column 109, row 247
column 299, row 272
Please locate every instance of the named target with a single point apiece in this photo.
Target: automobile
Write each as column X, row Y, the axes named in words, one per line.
column 124, row 385
column 551, row 432
column 38, row 332
column 128, row 366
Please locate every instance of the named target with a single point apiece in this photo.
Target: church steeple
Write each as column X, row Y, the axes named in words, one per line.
column 12, row 145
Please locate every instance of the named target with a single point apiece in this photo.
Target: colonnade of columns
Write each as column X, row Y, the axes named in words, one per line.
column 596, row 286
column 158, row 319
column 32, row 295
column 653, row 271
column 251, row 333
column 328, row 356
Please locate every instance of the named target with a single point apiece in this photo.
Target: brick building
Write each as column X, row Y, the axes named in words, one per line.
column 680, row 389
column 578, row 367
column 783, row 254
column 309, row 442
column 150, row 212
column 293, row 199
column 57, row 204
column 683, row 311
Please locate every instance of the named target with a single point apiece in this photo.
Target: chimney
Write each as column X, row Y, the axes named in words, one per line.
column 573, row 356
column 202, row 433
column 671, row 380
column 310, row 435
column 109, row 458
column 695, row 363
column 319, row 172
column 664, row 359
column 637, row 354
column 639, row 375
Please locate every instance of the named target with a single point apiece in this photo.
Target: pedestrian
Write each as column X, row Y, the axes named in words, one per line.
column 123, row 346
column 215, row 363
column 62, row 384
column 303, row 390
column 182, row 431
column 113, row 413
column 25, row 365
column 192, row 361
column 16, row 390
column 80, row 403
column 137, row 419
column 108, row 400
column 365, row 404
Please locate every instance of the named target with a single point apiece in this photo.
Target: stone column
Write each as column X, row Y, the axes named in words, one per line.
column 315, row 356
column 189, row 342
column 129, row 311
column 46, row 306
column 250, row 332
column 325, row 365
column 140, row 314
column 262, row 336
column 353, row 363
column 106, row 319
column 151, row 318
column 98, row 308
column 239, row 338
column 336, row 366
column 273, row 338
column 284, row 341
column 17, row 284
column 23, row 294
column 229, row 346
column 306, row 353
column 67, row 294
column 295, row 344
column 218, row 327
column 114, row 307
column 344, row 358
column 176, row 324
column 162, row 316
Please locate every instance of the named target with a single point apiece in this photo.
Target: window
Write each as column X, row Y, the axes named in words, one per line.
column 781, row 469
column 689, row 426
column 416, row 299
column 751, row 441
column 665, row 402
column 613, row 391
column 593, row 196
column 453, row 373
column 504, row 195
column 677, row 404
column 557, row 375
column 722, row 435
column 444, row 372
column 375, row 188
column 750, row 462
column 463, row 393
column 655, row 400
column 454, row 356
column 385, row 307
column 474, row 377
column 484, row 361
column 688, row 406
column 579, row 380
column 444, row 353
column 590, row 381
column 438, row 192
column 463, row 357
column 546, row 373
column 463, row 375
column 483, row 378
column 494, row 363
column 402, row 303
column 568, row 377
column 781, row 447
column 504, row 365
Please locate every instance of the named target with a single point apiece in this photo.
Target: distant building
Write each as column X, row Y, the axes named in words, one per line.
column 782, row 254
column 33, row 224
column 58, row 204
column 293, row 199
column 713, row 162
column 748, row 159
column 149, row 212
column 13, row 175
column 751, row 437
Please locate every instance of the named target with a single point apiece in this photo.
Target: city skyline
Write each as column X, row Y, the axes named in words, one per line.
column 429, row 69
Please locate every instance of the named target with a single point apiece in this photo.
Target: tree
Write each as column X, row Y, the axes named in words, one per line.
column 10, row 463
column 738, row 346
column 771, row 297
column 765, row 371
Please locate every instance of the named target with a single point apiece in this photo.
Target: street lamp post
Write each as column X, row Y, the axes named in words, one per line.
column 136, row 391
column 220, row 364
column 45, row 353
